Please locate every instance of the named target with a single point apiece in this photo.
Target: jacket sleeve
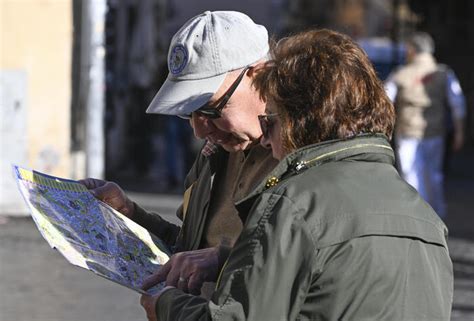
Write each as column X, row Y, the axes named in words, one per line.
column 160, row 227
column 267, row 275
column 456, row 99
column 155, row 224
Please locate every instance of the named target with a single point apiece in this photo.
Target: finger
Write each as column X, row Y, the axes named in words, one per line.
column 103, row 192
column 195, row 284
column 116, row 201
column 175, row 270
column 87, row 182
column 183, row 284
column 157, row 277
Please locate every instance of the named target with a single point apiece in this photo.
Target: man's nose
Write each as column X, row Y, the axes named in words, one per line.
column 202, row 126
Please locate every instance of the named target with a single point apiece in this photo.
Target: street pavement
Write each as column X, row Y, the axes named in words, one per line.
column 460, row 222
column 38, row 284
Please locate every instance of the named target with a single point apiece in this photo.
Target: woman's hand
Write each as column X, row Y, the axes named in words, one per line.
column 148, row 302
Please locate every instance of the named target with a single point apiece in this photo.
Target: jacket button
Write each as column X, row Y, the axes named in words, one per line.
column 272, row 181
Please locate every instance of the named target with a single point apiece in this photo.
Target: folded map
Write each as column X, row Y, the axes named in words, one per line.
column 89, row 233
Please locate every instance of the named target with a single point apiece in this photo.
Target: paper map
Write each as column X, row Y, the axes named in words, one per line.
column 88, row 233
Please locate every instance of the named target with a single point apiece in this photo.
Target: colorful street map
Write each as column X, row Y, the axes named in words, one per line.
column 89, row 233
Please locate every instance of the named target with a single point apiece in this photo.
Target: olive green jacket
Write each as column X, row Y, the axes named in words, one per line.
column 333, row 234
column 200, row 193
column 199, row 179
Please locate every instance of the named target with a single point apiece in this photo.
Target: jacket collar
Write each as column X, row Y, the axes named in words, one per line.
column 367, row 147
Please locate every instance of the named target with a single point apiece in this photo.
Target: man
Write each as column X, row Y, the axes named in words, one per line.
column 428, row 99
column 211, row 62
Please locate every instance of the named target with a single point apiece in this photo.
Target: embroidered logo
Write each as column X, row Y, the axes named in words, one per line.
column 178, row 59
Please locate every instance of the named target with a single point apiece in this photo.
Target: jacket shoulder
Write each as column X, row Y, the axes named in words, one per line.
column 346, row 200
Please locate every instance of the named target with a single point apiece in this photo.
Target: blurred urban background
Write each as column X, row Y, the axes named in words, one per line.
column 76, row 77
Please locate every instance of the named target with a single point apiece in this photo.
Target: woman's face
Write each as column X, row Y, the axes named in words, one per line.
column 271, row 127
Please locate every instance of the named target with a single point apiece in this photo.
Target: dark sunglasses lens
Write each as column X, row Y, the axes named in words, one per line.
column 263, row 125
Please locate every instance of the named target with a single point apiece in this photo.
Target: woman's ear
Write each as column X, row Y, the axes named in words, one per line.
column 256, row 67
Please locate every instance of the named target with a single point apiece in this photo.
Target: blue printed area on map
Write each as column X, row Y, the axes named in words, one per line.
column 110, row 248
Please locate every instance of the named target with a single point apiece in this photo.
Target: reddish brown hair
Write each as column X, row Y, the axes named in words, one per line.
column 324, row 87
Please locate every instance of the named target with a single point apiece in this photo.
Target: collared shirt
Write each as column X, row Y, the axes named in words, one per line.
column 244, row 170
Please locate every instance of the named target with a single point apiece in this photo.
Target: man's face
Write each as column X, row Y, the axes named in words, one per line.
column 238, row 126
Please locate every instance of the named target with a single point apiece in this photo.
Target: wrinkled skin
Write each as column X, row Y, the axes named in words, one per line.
column 187, row 271
column 111, row 194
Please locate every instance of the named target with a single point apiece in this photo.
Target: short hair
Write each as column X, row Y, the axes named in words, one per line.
column 325, row 88
column 421, row 42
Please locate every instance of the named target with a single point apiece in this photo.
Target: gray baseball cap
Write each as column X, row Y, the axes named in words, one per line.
column 201, row 54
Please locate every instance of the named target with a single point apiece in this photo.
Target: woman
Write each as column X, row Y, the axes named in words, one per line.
column 334, row 233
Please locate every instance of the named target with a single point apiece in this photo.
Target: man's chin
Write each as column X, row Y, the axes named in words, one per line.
column 236, row 147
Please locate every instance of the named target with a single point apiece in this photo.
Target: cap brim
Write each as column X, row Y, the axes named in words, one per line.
column 184, row 96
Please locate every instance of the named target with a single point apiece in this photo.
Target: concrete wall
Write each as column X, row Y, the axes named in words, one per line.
column 35, row 60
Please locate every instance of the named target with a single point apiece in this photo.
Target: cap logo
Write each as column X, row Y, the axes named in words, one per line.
column 178, row 59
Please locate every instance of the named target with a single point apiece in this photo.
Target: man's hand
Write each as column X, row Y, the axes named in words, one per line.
column 148, row 302
column 187, row 270
column 110, row 193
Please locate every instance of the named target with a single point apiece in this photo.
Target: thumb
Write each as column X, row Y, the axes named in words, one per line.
column 157, row 277
column 91, row 183
column 101, row 192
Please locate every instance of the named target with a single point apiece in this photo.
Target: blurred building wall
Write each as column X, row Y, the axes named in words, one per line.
column 35, row 63
column 265, row 12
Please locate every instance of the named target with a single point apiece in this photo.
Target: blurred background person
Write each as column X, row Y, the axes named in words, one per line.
column 430, row 108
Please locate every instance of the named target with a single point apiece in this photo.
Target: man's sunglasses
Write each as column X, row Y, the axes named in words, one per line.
column 216, row 112
column 266, row 122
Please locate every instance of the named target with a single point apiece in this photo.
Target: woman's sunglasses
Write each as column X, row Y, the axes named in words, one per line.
column 216, row 112
column 266, row 122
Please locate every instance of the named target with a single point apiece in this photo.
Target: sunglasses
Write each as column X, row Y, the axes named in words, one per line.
column 266, row 122
column 216, row 112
